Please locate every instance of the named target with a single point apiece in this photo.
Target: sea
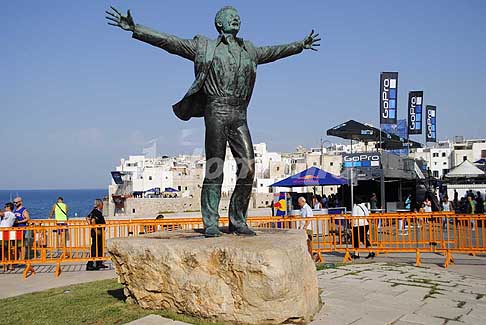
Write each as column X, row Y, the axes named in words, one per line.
column 39, row 202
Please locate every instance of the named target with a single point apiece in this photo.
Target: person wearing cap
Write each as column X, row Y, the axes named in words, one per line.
column 7, row 243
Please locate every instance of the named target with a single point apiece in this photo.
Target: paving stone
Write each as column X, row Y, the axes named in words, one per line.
column 155, row 320
column 422, row 319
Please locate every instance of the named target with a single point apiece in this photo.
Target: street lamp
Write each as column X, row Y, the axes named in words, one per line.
column 322, row 150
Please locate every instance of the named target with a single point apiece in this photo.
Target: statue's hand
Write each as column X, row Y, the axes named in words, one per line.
column 117, row 19
column 311, row 41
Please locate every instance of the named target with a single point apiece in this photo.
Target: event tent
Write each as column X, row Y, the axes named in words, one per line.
column 465, row 169
column 311, row 177
column 353, row 130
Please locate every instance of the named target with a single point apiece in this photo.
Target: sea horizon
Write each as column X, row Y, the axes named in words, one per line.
column 40, row 201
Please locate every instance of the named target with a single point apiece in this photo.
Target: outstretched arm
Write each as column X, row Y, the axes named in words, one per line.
column 267, row 54
column 185, row 48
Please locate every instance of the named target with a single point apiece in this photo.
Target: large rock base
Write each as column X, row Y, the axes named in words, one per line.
column 267, row 279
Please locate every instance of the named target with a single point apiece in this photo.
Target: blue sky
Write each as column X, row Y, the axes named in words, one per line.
column 76, row 95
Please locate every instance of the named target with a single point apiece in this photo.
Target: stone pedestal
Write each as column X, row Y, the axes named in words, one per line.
column 267, row 279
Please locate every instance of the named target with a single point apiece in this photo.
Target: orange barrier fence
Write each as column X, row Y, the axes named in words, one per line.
column 46, row 242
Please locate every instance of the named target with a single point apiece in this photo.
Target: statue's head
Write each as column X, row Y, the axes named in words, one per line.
column 227, row 21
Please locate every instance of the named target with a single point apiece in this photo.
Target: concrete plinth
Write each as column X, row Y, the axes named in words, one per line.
column 267, row 279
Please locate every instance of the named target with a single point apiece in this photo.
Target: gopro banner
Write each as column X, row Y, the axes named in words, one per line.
column 431, row 124
column 415, row 100
column 388, row 97
column 371, row 159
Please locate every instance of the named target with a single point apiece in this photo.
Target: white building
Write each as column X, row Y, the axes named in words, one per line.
column 443, row 156
column 437, row 158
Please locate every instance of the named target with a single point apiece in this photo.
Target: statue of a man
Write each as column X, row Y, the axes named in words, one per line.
column 225, row 71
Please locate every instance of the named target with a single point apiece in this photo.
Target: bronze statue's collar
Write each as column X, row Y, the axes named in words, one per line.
column 222, row 38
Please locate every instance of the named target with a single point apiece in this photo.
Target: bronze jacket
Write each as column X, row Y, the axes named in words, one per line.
column 200, row 50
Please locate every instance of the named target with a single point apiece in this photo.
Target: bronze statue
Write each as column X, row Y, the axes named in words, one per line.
column 225, row 71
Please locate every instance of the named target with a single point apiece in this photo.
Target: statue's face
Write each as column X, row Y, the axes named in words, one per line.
column 229, row 22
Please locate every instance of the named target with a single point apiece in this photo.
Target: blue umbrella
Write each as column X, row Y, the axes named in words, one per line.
column 311, row 177
column 170, row 189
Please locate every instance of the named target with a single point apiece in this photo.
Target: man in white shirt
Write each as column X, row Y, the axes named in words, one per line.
column 360, row 228
column 8, row 220
column 306, row 212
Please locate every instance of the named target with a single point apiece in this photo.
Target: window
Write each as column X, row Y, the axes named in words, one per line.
column 150, row 178
column 133, row 210
column 435, row 154
column 179, row 187
column 464, row 158
column 315, row 164
column 483, row 154
column 278, row 168
column 444, row 163
column 436, row 173
column 443, row 154
column 331, row 163
column 185, row 188
column 435, row 163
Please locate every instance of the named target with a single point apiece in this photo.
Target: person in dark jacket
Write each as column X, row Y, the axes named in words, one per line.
column 96, row 218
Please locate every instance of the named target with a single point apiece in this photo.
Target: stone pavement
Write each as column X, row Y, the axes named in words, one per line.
column 13, row 283
column 155, row 320
column 399, row 294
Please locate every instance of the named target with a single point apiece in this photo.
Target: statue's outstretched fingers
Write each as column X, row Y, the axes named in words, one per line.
column 112, row 19
column 114, row 9
column 111, row 14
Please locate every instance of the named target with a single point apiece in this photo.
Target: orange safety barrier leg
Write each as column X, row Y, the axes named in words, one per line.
column 347, row 257
column 29, row 270
column 319, row 258
column 57, row 272
column 418, row 259
column 448, row 260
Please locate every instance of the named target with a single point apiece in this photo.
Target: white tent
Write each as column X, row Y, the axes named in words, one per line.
column 464, row 170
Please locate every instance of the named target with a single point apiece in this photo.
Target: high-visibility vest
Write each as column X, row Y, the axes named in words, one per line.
column 58, row 213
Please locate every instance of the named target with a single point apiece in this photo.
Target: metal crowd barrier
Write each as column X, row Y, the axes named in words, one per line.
column 45, row 242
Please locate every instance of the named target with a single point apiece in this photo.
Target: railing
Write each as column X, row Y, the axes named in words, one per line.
column 45, row 242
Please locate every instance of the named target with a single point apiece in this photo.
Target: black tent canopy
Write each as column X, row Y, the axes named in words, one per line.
column 353, row 130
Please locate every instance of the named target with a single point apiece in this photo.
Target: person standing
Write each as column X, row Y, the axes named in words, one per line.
column 96, row 218
column 428, row 205
column 446, row 207
column 60, row 212
column 8, row 220
column 361, row 228
column 316, row 204
column 471, row 208
column 373, row 202
column 479, row 203
column 22, row 217
column 324, row 202
column 408, row 202
column 306, row 212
